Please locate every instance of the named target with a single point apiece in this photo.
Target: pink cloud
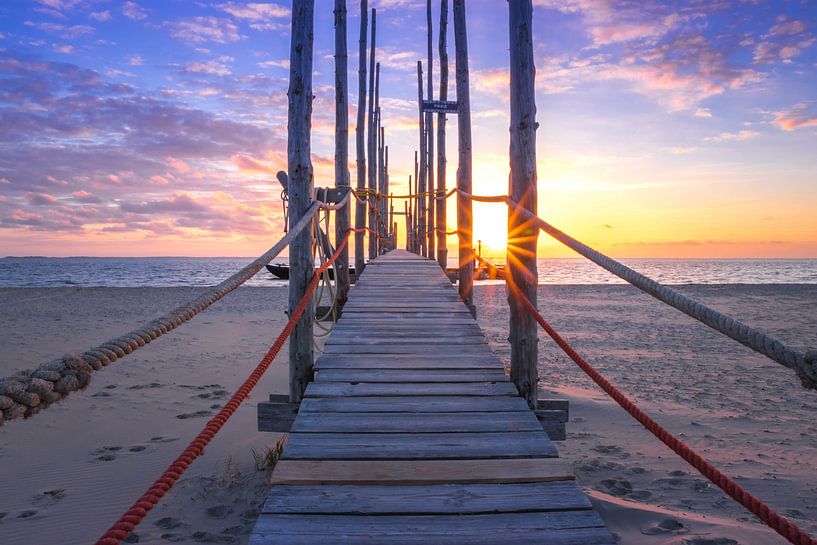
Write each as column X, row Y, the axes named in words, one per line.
column 177, row 164
column 799, row 116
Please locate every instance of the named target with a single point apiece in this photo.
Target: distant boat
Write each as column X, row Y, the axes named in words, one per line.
column 282, row 272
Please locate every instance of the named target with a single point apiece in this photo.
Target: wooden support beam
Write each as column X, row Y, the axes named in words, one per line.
column 442, row 241
column 277, row 414
column 372, row 153
column 342, row 220
column 299, row 165
column 464, row 205
column 432, row 208
column 522, row 234
column 407, row 212
column 360, row 138
column 416, row 249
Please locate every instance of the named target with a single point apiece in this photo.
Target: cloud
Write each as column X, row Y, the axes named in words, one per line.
column 64, row 48
column 100, row 16
column 203, row 29
column 798, row 116
column 64, row 32
column 703, row 112
column 254, row 11
column 208, row 67
column 732, row 136
column 136, row 60
column 283, row 63
column 134, row 11
column 40, row 199
column 784, row 41
column 177, row 164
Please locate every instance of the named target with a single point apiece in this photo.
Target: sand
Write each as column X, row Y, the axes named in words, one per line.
column 67, row 474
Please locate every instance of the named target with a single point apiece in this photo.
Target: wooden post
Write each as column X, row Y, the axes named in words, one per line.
column 407, row 212
column 522, row 234
column 421, row 207
column 410, row 221
column 442, row 240
column 431, row 230
column 299, row 166
column 416, row 205
column 360, row 137
column 381, row 182
column 372, row 153
column 392, row 225
column 388, row 204
column 464, row 205
column 341, row 145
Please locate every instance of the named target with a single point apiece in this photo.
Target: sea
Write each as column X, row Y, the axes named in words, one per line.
column 45, row 272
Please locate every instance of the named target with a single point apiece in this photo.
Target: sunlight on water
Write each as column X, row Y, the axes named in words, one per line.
column 183, row 271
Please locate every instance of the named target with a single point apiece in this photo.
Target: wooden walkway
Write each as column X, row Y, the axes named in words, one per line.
column 411, row 433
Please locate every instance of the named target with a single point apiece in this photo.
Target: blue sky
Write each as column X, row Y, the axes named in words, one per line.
column 669, row 129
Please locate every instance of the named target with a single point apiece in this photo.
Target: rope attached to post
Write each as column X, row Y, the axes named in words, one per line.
column 139, row 510
column 771, row 518
column 802, row 363
column 29, row 392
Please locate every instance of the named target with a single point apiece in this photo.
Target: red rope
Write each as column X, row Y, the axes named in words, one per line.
column 776, row 522
column 139, row 510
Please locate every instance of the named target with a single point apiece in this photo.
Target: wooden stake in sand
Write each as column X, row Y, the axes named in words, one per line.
column 360, row 137
column 430, row 229
column 522, row 233
column 464, row 205
column 299, row 165
column 372, row 142
column 442, row 246
column 421, row 196
column 341, row 145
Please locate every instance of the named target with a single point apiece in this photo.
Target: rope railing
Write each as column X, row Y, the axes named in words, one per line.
column 28, row 392
column 139, row 510
column 771, row 518
column 803, row 363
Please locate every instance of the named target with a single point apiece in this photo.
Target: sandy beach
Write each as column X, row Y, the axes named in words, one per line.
column 70, row 472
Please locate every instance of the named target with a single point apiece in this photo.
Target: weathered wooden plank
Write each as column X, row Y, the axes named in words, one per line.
column 556, row 528
column 415, row 422
column 426, row 499
column 408, row 375
column 405, row 339
column 348, row 389
column 402, row 446
column 413, row 404
column 420, row 472
column 406, row 361
column 439, row 351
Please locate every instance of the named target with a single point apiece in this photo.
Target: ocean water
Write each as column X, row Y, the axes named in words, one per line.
column 16, row 272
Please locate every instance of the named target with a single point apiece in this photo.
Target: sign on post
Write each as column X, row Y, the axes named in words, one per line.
column 440, row 106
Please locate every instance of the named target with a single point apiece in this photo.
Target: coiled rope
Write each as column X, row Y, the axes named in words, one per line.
column 139, row 510
column 802, row 363
column 29, row 392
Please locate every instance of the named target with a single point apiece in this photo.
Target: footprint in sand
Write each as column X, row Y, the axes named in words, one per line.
column 617, row 487
column 168, row 523
column 48, row 498
column 150, row 386
column 105, row 453
column 162, row 439
column 665, row 527
column 207, row 537
column 27, row 514
column 173, row 538
column 197, row 414
column 2, row 516
column 711, row 541
column 218, row 511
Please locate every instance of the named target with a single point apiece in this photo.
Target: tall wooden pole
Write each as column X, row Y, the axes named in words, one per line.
column 381, row 182
column 442, row 246
column 360, row 138
column 341, row 145
column 421, row 209
column 522, row 234
column 299, row 167
column 388, row 202
column 416, row 204
column 464, row 205
column 432, row 245
column 372, row 153
column 410, row 221
column 407, row 214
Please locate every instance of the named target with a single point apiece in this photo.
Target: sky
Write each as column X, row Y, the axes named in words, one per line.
column 667, row 129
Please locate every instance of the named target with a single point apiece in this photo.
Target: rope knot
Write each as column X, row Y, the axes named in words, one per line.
column 807, row 370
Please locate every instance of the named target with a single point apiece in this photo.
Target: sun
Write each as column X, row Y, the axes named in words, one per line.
column 491, row 227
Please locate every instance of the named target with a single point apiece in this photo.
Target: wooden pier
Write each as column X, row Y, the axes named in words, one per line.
column 412, row 433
